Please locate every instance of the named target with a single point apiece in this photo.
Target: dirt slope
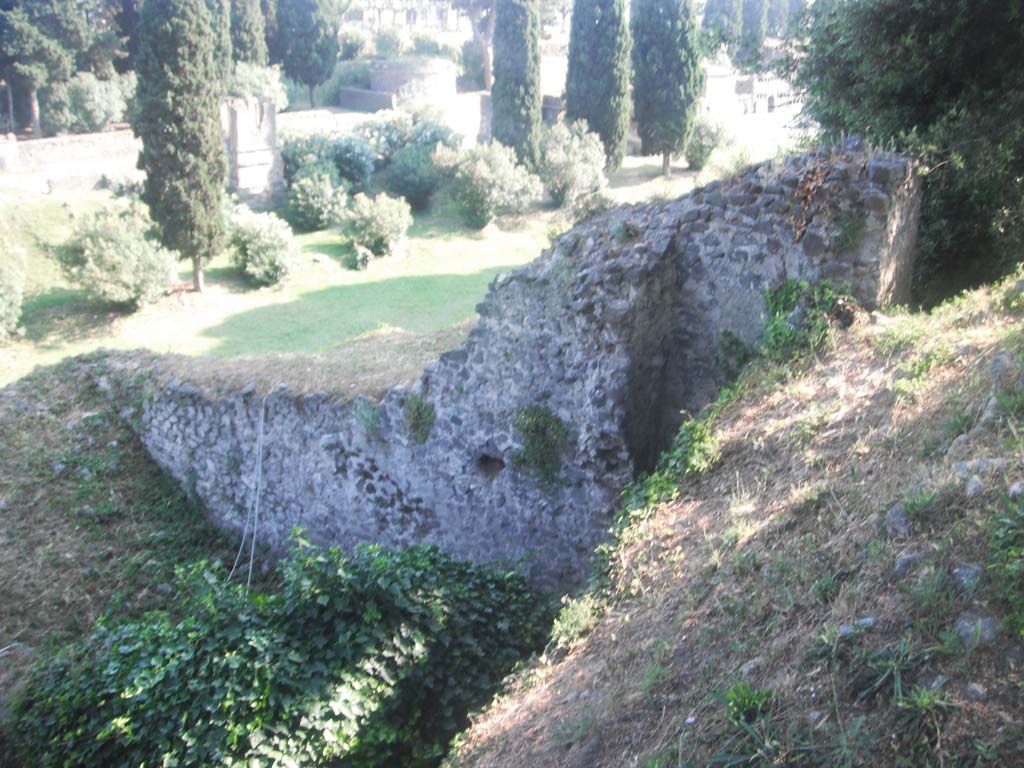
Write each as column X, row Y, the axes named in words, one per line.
column 883, row 637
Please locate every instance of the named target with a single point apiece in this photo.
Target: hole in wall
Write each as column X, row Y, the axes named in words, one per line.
column 490, row 466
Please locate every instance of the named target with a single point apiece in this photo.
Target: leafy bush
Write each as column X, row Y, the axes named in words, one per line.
column 300, row 152
column 354, row 43
column 428, row 45
column 266, row 83
column 472, row 66
column 572, row 162
column 485, row 180
column 12, row 286
column 264, row 245
column 115, row 256
column 387, row 132
column 413, row 175
column 317, row 199
column 390, row 44
column 706, row 137
column 127, row 84
column 378, row 224
column 354, row 158
column 83, row 104
column 361, row 662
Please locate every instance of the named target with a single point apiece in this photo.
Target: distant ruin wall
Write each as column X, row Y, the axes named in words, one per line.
column 255, row 167
column 610, row 334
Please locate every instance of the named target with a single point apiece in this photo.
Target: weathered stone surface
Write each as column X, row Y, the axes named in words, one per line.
column 977, row 630
column 614, row 331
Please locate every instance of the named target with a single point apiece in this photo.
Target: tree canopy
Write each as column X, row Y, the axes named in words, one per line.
column 309, row 35
column 248, row 32
column 517, row 99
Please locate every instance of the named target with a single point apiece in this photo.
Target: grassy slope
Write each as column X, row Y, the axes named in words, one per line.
column 750, row 570
column 88, row 524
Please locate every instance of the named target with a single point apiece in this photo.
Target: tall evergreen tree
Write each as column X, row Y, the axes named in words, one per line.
column 481, row 15
column 309, row 33
column 667, row 78
column 755, row 20
column 220, row 15
column 778, row 17
column 794, row 13
column 178, row 120
column 597, row 83
column 40, row 41
column 516, row 97
column 248, row 32
column 127, row 16
column 723, row 20
column 272, row 32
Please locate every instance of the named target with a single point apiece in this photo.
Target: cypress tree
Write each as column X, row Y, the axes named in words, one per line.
column 778, row 13
column 723, row 20
column 667, row 78
column 275, row 51
column 516, row 97
column 310, row 41
column 178, row 120
column 755, row 19
column 220, row 15
column 248, row 32
column 597, row 84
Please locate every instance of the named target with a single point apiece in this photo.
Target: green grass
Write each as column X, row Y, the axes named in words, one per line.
column 435, row 286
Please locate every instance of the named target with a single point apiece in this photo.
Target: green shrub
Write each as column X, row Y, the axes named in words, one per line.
column 428, row 45
column 354, row 43
column 254, row 81
column 83, row 104
column 387, row 132
column 115, row 256
column 317, row 200
column 378, row 224
column 419, row 418
column 299, row 152
column 572, row 162
column 361, row 662
column 1006, row 561
column 354, row 158
column 413, row 175
column 264, row 246
column 799, row 317
column 390, row 44
column 486, row 180
column 12, row 286
column 746, row 704
column 706, row 137
column 471, row 67
column 127, row 84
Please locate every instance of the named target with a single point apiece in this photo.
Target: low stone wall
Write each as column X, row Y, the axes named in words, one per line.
column 584, row 358
column 415, row 80
column 361, row 100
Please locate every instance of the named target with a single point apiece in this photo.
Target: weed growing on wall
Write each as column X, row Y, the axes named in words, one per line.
column 419, row 418
column 545, row 437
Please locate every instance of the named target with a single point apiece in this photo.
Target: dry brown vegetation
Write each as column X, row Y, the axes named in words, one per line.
column 748, row 574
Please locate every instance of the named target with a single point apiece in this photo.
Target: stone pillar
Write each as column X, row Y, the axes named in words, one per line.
column 255, row 168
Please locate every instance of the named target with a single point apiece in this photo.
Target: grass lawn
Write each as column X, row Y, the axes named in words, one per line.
column 434, row 287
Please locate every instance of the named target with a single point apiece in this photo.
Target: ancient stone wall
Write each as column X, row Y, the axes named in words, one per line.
column 255, row 168
column 515, row 447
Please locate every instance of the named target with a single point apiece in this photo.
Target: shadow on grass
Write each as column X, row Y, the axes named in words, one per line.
column 322, row 319
column 61, row 315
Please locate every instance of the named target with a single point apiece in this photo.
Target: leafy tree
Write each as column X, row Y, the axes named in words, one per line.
column 40, row 40
column 178, row 120
column 794, row 13
column 310, row 38
column 481, row 15
column 597, row 84
column 943, row 79
column 517, row 97
column 723, row 20
column 127, row 17
column 248, row 32
column 667, row 78
column 755, row 22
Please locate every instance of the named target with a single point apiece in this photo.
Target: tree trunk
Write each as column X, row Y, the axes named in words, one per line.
column 33, row 106
column 197, row 274
column 312, row 100
column 666, row 165
column 10, row 108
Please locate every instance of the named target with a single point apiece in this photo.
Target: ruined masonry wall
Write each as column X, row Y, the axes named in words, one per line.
column 615, row 330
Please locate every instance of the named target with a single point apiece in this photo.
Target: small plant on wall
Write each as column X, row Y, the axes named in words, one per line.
column 419, row 418
column 545, row 437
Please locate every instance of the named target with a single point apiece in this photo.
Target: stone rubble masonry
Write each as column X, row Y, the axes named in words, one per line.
column 614, row 330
